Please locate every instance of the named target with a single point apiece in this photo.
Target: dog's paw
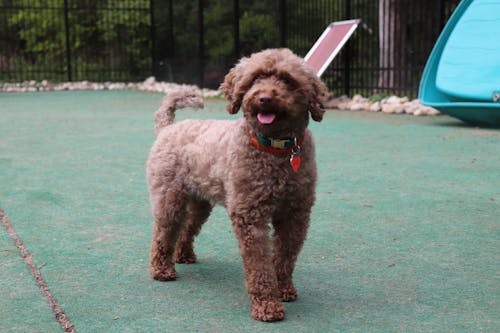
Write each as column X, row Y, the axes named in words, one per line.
column 288, row 293
column 163, row 274
column 185, row 258
column 267, row 310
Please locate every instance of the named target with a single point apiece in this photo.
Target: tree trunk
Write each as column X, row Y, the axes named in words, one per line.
column 392, row 43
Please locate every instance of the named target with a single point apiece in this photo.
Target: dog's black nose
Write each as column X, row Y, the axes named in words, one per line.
column 265, row 98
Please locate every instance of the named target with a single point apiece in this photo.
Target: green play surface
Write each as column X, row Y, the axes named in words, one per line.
column 405, row 233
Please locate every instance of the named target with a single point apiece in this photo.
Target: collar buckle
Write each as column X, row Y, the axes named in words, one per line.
column 276, row 143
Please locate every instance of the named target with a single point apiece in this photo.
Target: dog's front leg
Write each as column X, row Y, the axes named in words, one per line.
column 290, row 230
column 255, row 249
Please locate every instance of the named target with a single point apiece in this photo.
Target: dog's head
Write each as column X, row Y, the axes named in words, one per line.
column 277, row 90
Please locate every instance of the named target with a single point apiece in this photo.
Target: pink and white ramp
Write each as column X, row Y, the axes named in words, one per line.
column 329, row 44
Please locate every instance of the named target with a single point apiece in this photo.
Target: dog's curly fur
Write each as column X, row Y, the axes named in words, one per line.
column 195, row 164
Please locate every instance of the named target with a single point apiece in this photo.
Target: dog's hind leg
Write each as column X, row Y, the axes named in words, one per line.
column 197, row 212
column 169, row 211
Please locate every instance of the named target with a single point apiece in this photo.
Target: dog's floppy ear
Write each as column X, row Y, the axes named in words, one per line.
column 229, row 90
column 318, row 94
column 317, row 111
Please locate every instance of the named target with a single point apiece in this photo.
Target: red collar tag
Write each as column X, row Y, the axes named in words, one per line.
column 295, row 157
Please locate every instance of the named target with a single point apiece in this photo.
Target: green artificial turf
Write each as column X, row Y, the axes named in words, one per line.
column 404, row 235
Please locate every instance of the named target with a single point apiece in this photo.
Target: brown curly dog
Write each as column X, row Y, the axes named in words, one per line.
column 260, row 167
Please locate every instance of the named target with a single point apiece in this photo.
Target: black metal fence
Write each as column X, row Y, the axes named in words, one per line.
column 197, row 41
column 75, row 40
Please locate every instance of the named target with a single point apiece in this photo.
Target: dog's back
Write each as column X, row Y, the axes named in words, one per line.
column 201, row 147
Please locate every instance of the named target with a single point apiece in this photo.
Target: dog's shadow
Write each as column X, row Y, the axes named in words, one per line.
column 220, row 282
column 212, row 275
column 223, row 278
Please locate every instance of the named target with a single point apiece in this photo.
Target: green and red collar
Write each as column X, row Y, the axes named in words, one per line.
column 276, row 146
column 280, row 147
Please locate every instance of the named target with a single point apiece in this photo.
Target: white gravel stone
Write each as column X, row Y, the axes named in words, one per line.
column 393, row 100
column 356, row 106
column 392, row 104
column 388, row 108
column 375, row 107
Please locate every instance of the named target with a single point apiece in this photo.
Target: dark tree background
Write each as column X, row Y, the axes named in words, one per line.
column 197, row 41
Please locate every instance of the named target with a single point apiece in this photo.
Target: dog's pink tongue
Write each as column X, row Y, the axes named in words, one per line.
column 267, row 118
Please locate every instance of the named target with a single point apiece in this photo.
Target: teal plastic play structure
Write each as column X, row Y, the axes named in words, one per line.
column 462, row 75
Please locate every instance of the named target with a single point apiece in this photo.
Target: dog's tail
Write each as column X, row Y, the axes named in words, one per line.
column 177, row 98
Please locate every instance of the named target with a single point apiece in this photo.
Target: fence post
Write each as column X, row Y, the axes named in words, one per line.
column 439, row 17
column 167, row 64
column 201, row 45
column 347, row 55
column 236, row 28
column 68, row 50
column 170, row 33
column 154, row 62
column 283, row 22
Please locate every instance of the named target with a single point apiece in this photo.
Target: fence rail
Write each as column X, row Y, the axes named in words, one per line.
column 197, row 41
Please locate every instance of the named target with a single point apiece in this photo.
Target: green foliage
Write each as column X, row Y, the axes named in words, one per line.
column 257, row 32
column 41, row 31
column 100, row 36
column 378, row 97
column 126, row 36
column 218, row 29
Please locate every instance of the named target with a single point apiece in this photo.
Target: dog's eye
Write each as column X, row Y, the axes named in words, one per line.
column 288, row 81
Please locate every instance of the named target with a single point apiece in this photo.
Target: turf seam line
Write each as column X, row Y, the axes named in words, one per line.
column 61, row 317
